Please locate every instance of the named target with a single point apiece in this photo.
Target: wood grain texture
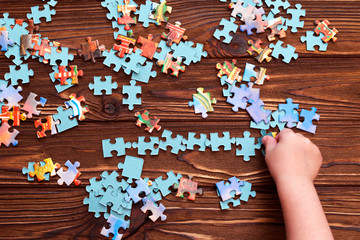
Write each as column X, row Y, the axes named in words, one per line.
column 329, row 81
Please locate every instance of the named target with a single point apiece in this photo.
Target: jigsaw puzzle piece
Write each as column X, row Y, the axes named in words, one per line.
column 246, row 191
column 124, row 47
column 261, row 125
column 133, row 62
column 229, row 26
column 157, row 211
column 248, row 146
column 175, row 35
column 75, row 104
column 313, row 40
column 94, row 204
column 239, row 9
column 119, row 146
column 144, row 73
column 257, row 112
column 226, row 92
column 31, row 104
column 111, row 58
column 7, row 22
column 291, row 115
column 96, row 186
column 216, row 141
column 132, row 91
column 91, row 50
column 69, row 176
column 240, row 97
column 191, row 141
column 189, row 186
column 258, row 23
column 309, row 116
column 141, row 187
column 150, row 122
column 175, row 143
column 142, row 146
column 225, row 204
column 115, row 225
column 64, row 116
column 148, row 46
column 15, row 51
column 60, row 88
column 160, row 11
column 226, row 189
column 63, row 56
column 165, row 49
column 107, row 85
column 260, row 76
column 295, row 22
column 131, row 168
column 5, row 41
column 288, row 53
column 174, row 66
column 276, row 25
column 164, row 185
column 143, row 13
column 49, row 125
column 11, row 95
column 277, row 4
column 111, row 180
column 276, row 115
column 323, row 27
column 15, row 75
column 36, row 13
column 202, row 102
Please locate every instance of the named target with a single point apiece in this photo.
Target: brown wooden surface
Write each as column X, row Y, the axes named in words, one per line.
column 329, row 81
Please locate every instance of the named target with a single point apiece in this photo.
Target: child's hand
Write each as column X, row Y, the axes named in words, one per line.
column 291, row 156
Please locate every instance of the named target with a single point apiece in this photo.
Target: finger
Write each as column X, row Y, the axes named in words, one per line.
column 269, row 143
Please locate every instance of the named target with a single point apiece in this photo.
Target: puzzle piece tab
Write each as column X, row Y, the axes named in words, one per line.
column 308, row 116
column 288, row 53
column 228, row 26
column 119, row 146
column 107, row 85
column 157, row 211
column 31, row 104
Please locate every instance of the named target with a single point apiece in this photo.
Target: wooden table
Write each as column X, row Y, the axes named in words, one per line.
column 328, row 81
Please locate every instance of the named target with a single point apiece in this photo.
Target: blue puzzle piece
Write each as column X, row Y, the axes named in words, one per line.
column 199, row 53
column 60, row 88
column 16, row 32
column 216, row 141
column 142, row 146
column 240, row 97
column 229, row 26
column 192, row 140
column 141, row 186
column 23, row 74
column 154, row 191
column 131, row 90
column 248, row 146
column 276, row 115
column 312, row 40
column 6, row 21
column 144, row 73
column 114, row 200
column 184, row 50
column 112, row 180
column 261, row 125
column 290, row 117
column 246, row 191
column 175, row 143
column 30, row 168
column 277, row 4
column 62, row 56
column 288, row 53
column 131, row 168
column 15, row 51
column 295, row 22
column 144, row 12
column 119, row 146
column 95, row 186
column 94, row 204
column 11, row 95
column 112, row 58
column 163, row 185
column 121, row 30
column 308, row 116
column 257, row 113
column 112, row 7
column 225, row 204
column 115, row 225
column 5, row 41
column 64, row 117
column 165, row 49
column 36, row 14
column 226, row 92
column 107, row 85
column 132, row 62
column 226, row 189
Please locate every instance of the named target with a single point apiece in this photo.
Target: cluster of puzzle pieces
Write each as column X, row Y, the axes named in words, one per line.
column 120, row 195
column 44, row 169
column 253, row 16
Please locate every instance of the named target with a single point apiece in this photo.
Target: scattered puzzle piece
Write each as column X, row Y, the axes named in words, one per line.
column 291, row 116
column 323, row 27
column 14, row 115
column 36, row 13
column 69, row 176
column 131, row 90
column 91, row 50
column 160, row 11
column 295, row 22
column 144, row 73
column 148, row 46
column 29, row 169
column 189, row 186
column 248, row 146
column 5, row 41
column 151, row 123
column 75, row 104
column 11, row 95
column 258, row 23
column 307, row 124
column 229, row 26
column 313, row 40
column 7, row 137
column 115, row 225
column 259, row 76
column 124, row 47
column 164, row 185
column 31, row 104
column 273, row 25
column 276, row 115
column 49, row 125
column 131, row 168
column 168, row 63
column 144, row 13
column 126, row 10
column 94, row 204
column 288, row 53
column 216, row 141
column 240, row 97
column 263, row 53
column 107, row 85
column 15, row 75
column 225, row 190
column 157, row 211
column 142, row 146
column 202, row 102
column 40, row 169
column 192, row 140
column 113, row 59
column 119, row 146
column 64, row 57
column 277, row 4
column 63, row 75
column 134, row 193
column 239, row 9
column 256, row 111
column 164, row 51
column 64, row 117
column 133, row 62
column 230, row 70
column 225, row 204
column 175, row 35
column 246, row 191
column 175, row 143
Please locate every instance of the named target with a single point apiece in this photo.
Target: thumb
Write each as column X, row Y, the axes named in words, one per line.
column 269, row 143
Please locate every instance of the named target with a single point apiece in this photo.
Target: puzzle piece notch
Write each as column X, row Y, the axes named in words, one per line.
column 157, row 211
column 291, row 115
column 309, row 116
column 287, row 52
column 103, row 85
column 119, row 146
column 276, row 115
column 132, row 91
column 164, row 185
column 277, row 4
column 257, row 112
column 174, row 142
column 216, row 141
column 142, row 146
column 228, row 26
column 69, row 176
column 225, row 189
column 141, row 187
column 295, row 22
column 174, row 66
column 31, row 104
column 49, row 125
column 175, row 35
column 313, row 40
column 323, row 27
column 191, row 141
column 248, row 146
column 189, row 186
column 36, row 13
column 202, row 102
column 150, row 122
column 131, row 168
